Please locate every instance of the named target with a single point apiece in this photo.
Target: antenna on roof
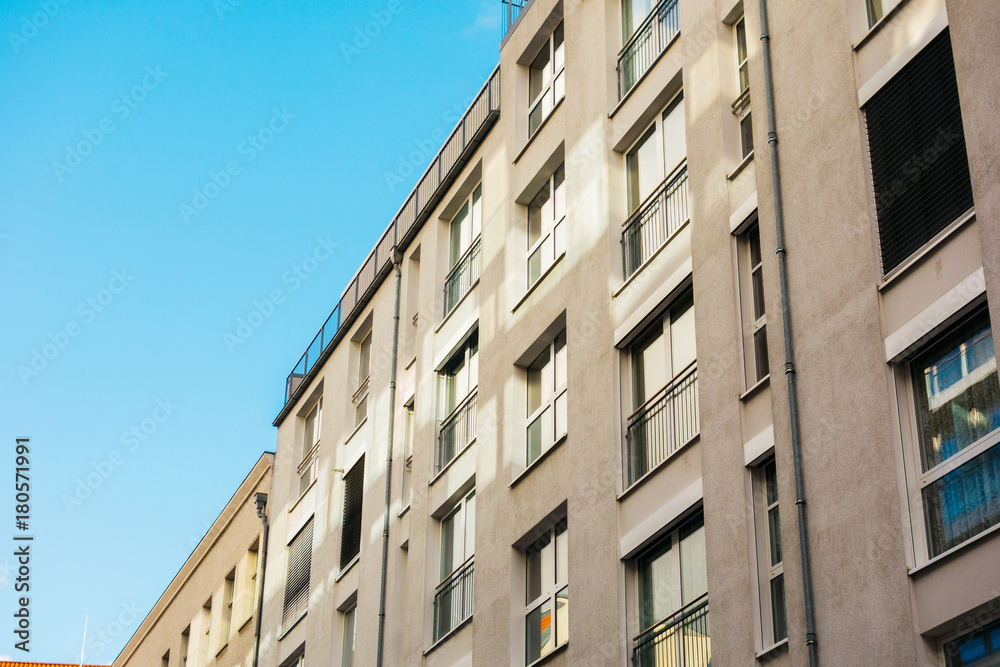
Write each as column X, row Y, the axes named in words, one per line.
column 84, row 647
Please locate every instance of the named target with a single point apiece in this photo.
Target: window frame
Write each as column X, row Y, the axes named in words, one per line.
column 472, row 207
column 253, row 567
column 547, row 228
column 360, row 396
column 656, row 132
column 308, row 467
column 551, row 595
column 756, row 359
column 555, row 350
column 350, row 620
column 875, row 12
column 553, row 78
column 357, row 469
column 461, row 507
column 229, row 598
column 767, row 570
column 741, row 106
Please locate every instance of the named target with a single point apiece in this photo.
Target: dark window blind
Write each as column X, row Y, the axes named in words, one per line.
column 297, row 578
column 350, row 538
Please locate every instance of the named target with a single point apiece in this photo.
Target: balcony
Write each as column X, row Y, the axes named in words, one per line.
column 646, row 44
column 664, row 424
column 453, row 600
column 457, row 431
column 511, row 11
column 655, row 221
column 461, row 278
column 680, row 640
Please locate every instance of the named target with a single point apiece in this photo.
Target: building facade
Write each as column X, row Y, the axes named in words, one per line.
column 596, row 338
column 207, row 615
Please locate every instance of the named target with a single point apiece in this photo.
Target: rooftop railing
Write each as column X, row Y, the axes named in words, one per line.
column 511, row 10
column 646, row 44
column 443, row 169
column 655, row 221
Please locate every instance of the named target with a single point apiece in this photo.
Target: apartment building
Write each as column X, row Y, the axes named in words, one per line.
column 610, row 353
column 208, row 614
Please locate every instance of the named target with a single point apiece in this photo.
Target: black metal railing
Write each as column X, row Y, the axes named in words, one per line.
column 655, row 221
column 680, row 640
column 467, row 135
column 662, row 425
column 646, row 44
column 457, row 431
column 453, row 600
column 511, row 10
column 462, row 277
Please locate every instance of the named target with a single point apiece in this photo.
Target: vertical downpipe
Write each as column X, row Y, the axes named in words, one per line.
column 786, row 325
column 260, row 595
column 397, row 259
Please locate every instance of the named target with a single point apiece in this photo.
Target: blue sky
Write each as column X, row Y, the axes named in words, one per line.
column 166, row 167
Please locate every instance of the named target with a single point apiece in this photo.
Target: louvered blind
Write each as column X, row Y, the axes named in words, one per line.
column 297, row 579
column 350, row 537
column 920, row 168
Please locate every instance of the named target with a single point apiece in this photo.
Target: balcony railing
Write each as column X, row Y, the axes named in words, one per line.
column 453, row 600
column 458, row 430
column 662, row 425
column 655, row 221
column 481, row 115
column 680, row 640
column 646, row 44
column 461, row 278
column 511, row 10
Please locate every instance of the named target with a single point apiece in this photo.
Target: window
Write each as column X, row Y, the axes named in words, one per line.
column 350, row 534
column 875, row 12
column 920, row 170
column 165, row 660
column 310, row 446
column 957, row 408
column 347, row 653
column 770, row 569
column 252, row 558
column 741, row 107
column 204, row 653
column 672, row 583
column 185, row 644
column 634, row 13
column 546, row 233
column 648, row 28
column 664, row 391
column 296, row 600
column 980, row 648
column 546, row 394
column 229, row 589
column 453, row 597
column 546, row 608
column 406, row 494
column 463, row 250
column 457, row 383
column 752, row 305
column 546, row 81
column 364, row 375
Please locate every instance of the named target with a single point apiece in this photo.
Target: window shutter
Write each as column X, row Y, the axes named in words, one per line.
column 920, row 169
column 297, row 579
column 350, row 537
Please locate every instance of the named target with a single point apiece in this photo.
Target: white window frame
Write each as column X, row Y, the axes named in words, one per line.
column 750, row 324
column 469, row 353
column 468, row 229
column 360, row 397
column 309, row 466
column 655, row 132
column 551, row 214
column 253, row 566
column 767, row 570
column 552, row 399
column 409, row 427
column 741, row 107
column 553, row 84
column 468, row 550
column 229, row 597
column 551, row 594
column 204, row 653
column 350, row 623
column 665, row 320
column 874, row 11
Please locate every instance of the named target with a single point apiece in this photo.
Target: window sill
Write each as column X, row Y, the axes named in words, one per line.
column 284, row 633
column 303, row 495
column 955, row 549
column 448, row 635
column 343, row 573
column 548, row 656
column 410, row 363
column 538, row 130
column 878, row 25
column 740, row 167
column 449, row 464
column 537, row 462
column 927, row 248
column 538, row 282
column 403, row 511
column 770, row 652
column 655, row 469
column 245, row 624
column 224, row 647
column 356, row 429
column 444, row 320
column 756, row 387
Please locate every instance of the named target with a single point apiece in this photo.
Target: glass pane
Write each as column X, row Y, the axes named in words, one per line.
column 533, row 558
column 535, row 266
column 458, row 243
column 470, row 527
column 753, row 241
column 448, row 545
column 534, row 223
column 561, row 425
column 958, row 393
column 642, row 173
column 538, row 73
column 682, row 343
column 364, row 359
column 347, row 655
column 649, row 366
column 963, row 503
column 560, row 352
column 477, row 212
column 657, row 584
column 559, row 184
column 562, row 616
column 634, row 12
column 760, row 352
column 674, row 142
column 535, row 384
column 309, row 435
column 774, row 535
column 741, row 52
column 534, row 119
column 559, row 239
column 535, row 437
column 694, row 573
column 539, row 639
column 559, row 87
column 562, row 557
column 757, row 285
column 746, row 135
column 771, row 483
column 778, row 621
column 875, row 12
column 558, row 48
column 361, row 411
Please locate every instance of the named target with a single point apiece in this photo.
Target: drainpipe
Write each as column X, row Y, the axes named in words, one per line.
column 261, row 499
column 786, row 325
column 397, row 259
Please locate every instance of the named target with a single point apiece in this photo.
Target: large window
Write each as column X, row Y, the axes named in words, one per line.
column 547, row 594
column 347, row 651
column 741, row 107
column 920, row 170
column 204, row 651
column 463, row 250
column 546, row 395
column 253, row 557
column 453, row 596
column 228, row 593
column 312, row 425
column 297, row 575
column 672, row 584
column 546, row 80
column 360, row 397
column 546, row 232
column 663, row 387
column 980, row 648
column 409, row 425
column 770, row 567
column 648, row 28
column 957, row 407
column 752, row 310
column 350, row 532
column 457, row 383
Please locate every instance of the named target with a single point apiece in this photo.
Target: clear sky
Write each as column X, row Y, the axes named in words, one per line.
column 164, row 167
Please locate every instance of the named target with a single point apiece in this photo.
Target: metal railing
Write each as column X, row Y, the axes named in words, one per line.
column 453, row 600
column 662, row 425
column 680, row 640
column 646, row 44
column 462, row 277
column 457, row 431
column 467, row 135
column 511, row 10
column 655, row 221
